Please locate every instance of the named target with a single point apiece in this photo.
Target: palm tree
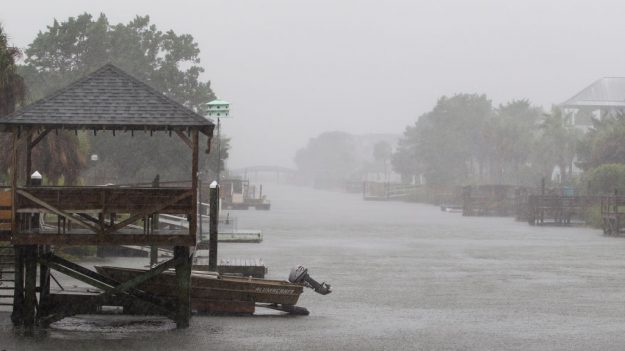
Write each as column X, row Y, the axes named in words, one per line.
column 12, row 92
column 557, row 144
column 12, row 88
column 59, row 155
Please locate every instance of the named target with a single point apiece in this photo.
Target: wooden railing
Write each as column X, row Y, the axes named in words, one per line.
column 5, row 209
column 101, row 215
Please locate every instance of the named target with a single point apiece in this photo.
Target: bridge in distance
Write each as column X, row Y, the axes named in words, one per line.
column 281, row 173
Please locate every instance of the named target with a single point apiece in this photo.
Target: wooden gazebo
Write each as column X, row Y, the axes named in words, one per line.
column 106, row 100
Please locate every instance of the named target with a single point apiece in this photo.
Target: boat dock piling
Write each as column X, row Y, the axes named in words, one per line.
column 213, row 227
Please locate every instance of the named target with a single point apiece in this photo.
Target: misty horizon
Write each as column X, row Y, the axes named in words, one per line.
column 295, row 70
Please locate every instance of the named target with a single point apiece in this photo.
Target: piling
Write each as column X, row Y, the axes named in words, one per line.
column 183, row 275
column 214, row 226
column 155, row 225
column 17, row 316
column 30, row 285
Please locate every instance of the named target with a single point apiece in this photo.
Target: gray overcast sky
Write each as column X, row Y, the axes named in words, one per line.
column 293, row 69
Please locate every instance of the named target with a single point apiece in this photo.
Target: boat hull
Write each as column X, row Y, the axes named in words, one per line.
column 210, row 291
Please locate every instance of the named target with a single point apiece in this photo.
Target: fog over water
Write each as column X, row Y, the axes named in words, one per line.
column 293, row 69
column 405, row 276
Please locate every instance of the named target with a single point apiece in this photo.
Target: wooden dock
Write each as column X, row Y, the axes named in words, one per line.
column 229, row 231
column 96, row 215
column 613, row 215
column 246, row 267
column 560, row 210
column 385, row 191
column 489, row 200
column 238, row 194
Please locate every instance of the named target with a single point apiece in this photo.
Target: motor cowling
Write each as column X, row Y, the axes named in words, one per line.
column 299, row 275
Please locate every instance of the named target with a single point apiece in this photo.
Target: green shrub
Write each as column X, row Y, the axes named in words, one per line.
column 593, row 218
column 606, row 178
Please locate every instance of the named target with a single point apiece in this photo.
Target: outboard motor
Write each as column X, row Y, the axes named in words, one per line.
column 299, row 275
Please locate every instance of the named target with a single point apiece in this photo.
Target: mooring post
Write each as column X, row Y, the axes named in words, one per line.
column 540, row 202
column 36, row 179
column 214, row 226
column 183, row 276
column 155, row 219
column 467, row 209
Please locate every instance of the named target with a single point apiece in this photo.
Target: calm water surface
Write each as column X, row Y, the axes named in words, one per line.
column 405, row 277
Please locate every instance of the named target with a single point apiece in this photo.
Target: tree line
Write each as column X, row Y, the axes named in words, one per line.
column 466, row 140
column 70, row 49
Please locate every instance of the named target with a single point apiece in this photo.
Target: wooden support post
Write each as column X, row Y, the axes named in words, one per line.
column 39, row 137
column 200, row 215
column 185, row 139
column 17, row 316
column 14, row 174
column 154, row 248
column 194, row 184
column 29, row 162
column 467, row 208
column 99, row 251
column 44, row 271
column 30, row 285
column 44, row 283
column 214, row 227
column 183, row 276
column 364, row 189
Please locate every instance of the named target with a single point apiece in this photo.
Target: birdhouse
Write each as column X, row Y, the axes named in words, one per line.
column 218, row 109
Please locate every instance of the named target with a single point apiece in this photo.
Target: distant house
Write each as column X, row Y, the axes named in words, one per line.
column 604, row 97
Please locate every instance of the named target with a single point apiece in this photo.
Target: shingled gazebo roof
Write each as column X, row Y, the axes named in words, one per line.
column 109, row 99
